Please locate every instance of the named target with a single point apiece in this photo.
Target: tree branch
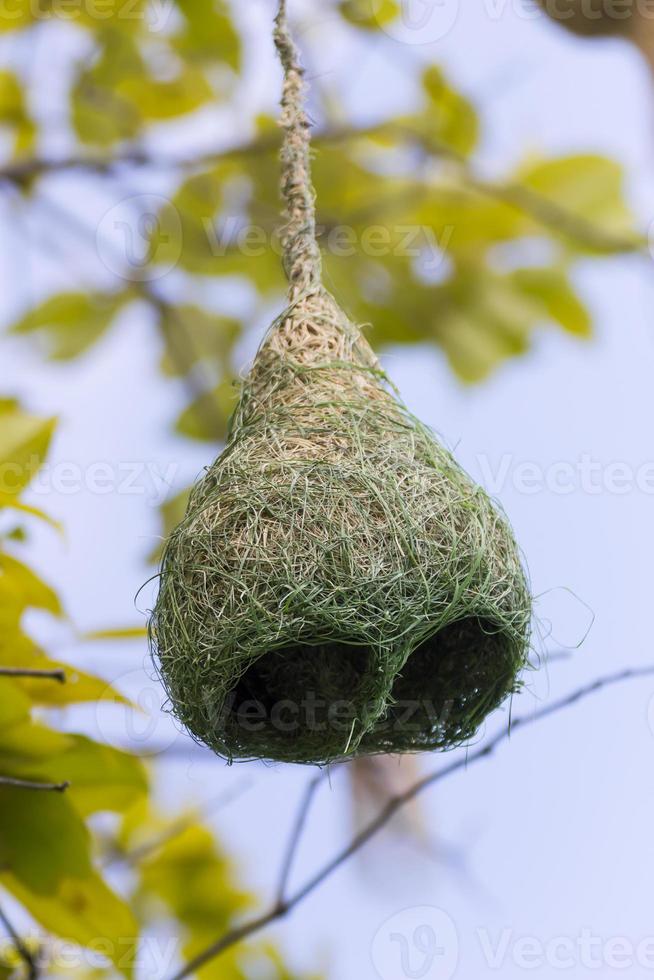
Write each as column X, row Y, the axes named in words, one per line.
column 29, row 784
column 29, row 959
column 545, row 211
column 296, row 836
column 54, row 675
column 279, row 910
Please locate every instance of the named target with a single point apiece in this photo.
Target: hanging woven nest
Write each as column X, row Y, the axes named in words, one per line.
column 338, row 585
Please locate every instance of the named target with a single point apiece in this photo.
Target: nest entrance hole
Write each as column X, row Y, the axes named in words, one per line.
column 449, row 684
column 300, row 697
column 304, row 696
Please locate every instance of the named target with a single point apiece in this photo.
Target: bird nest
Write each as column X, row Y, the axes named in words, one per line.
column 338, row 585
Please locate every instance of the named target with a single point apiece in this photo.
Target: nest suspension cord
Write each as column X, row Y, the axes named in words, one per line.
column 301, row 254
column 338, row 584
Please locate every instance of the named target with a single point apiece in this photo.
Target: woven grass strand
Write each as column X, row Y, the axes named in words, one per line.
column 338, row 585
column 301, row 254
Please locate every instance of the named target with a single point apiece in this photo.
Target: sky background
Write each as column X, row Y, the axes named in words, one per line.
column 551, row 839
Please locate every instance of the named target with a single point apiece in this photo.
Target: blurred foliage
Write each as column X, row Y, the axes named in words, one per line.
column 46, row 858
column 49, row 849
column 416, row 242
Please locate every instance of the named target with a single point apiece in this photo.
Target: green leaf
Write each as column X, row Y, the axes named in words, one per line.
column 587, row 185
column 70, row 323
column 551, row 290
column 17, row 650
column 157, row 100
column 101, row 777
column 196, row 335
column 86, row 911
column 369, row 15
column 13, row 113
column 23, row 744
column 20, row 14
column 208, row 34
column 42, row 839
column 99, row 114
column 208, row 416
column 449, row 117
column 21, row 588
column 24, row 443
column 172, row 512
column 117, row 633
column 7, row 500
column 14, row 705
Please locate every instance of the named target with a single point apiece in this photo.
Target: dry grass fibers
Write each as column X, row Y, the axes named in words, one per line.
column 338, row 585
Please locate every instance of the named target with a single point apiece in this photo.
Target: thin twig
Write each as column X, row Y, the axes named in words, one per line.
column 279, row 910
column 53, row 675
column 30, row 784
column 296, row 836
column 26, row 956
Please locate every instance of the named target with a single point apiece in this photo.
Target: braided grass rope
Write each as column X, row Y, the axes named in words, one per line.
column 338, row 585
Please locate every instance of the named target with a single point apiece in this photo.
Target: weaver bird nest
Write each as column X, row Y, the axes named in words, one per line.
column 338, row 585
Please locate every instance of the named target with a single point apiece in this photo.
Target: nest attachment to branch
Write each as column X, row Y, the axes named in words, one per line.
column 338, row 585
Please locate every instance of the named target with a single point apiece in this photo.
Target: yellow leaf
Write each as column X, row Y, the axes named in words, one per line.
column 117, row 633
column 21, row 588
column 18, row 650
column 42, row 839
column 70, row 323
column 85, row 911
column 372, row 17
column 165, row 100
column 13, row 111
column 23, row 743
column 14, row 704
column 6, row 500
column 24, row 442
column 208, row 34
column 101, row 777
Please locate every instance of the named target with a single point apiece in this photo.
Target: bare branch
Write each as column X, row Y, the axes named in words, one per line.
column 296, row 836
column 29, row 959
column 31, row 785
column 54, row 675
column 279, row 910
